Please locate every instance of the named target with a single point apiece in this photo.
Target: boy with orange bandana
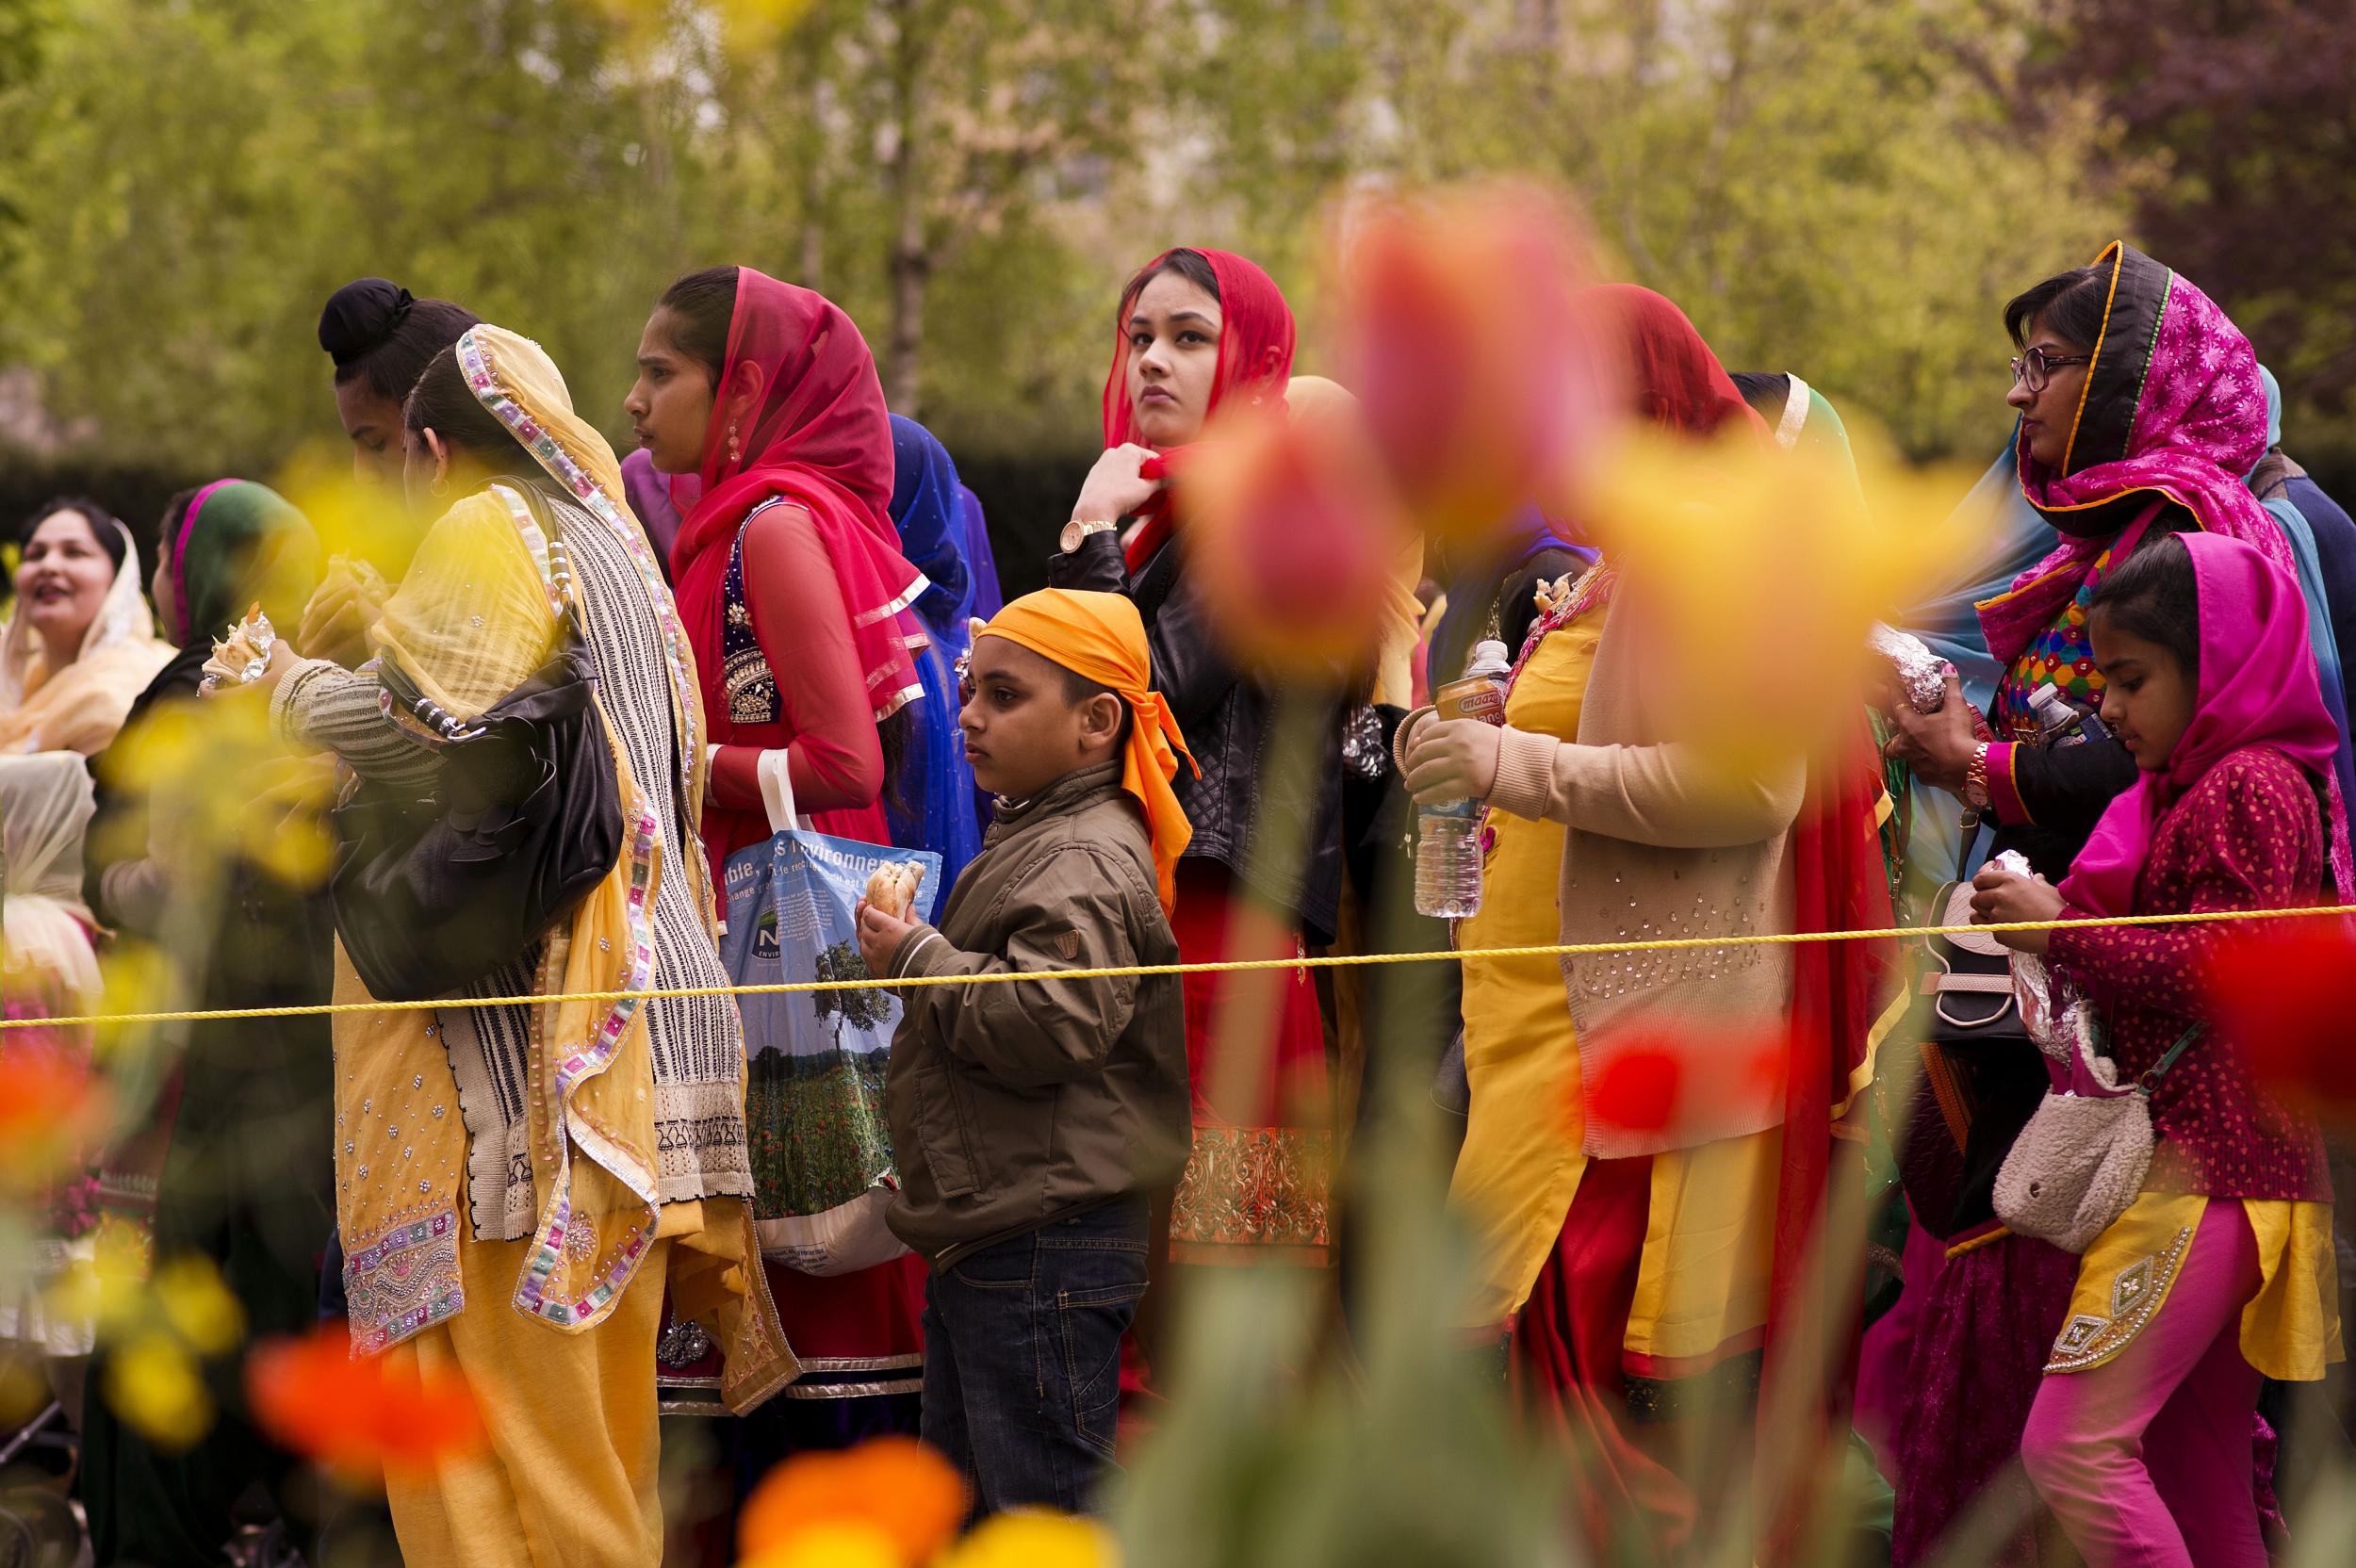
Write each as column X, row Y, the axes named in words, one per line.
column 1031, row 1118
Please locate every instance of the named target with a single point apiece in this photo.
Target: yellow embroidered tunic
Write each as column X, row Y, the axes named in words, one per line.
column 1702, row 1284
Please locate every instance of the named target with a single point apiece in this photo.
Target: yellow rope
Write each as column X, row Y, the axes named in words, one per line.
column 1339, row 960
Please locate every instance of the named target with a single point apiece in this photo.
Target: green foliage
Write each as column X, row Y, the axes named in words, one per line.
column 1832, row 186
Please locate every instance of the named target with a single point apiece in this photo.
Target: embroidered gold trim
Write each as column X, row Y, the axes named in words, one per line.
column 1253, row 1186
column 2137, row 1290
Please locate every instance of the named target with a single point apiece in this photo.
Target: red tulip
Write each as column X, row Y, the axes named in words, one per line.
column 1459, row 327
column 359, row 1416
column 1685, row 1083
column 1297, row 543
column 2284, row 990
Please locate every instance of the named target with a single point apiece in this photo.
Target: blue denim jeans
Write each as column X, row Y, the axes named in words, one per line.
column 1023, row 1357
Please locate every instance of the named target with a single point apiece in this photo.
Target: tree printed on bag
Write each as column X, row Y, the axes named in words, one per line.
column 859, row 1008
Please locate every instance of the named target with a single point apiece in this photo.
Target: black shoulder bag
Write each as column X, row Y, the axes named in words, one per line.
column 432, row 895
column 1963, row 1006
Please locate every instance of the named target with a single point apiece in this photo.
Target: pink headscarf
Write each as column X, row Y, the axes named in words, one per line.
column 2173, row 411
column 2258, row 687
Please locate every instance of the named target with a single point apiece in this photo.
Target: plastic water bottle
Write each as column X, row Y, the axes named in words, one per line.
column 1447, row 832
column 2062, row 722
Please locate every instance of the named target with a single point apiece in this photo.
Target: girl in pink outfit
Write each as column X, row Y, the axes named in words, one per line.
column 2222, row 1272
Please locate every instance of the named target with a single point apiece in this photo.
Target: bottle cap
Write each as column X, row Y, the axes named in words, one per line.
column 1488, row 658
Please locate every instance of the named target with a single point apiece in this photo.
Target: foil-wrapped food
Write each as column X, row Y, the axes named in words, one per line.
column 1922, row 674
column 243, row 654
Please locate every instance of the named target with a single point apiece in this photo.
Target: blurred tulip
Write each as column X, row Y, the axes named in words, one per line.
column 359, row 1416
column 746, row 23
column 50, row 1111
column 1034, row 1538
column 1460, row 327
column 199, row 1306
column 2283, row 990
column 354, row 517
column 1757, row 573
column 833, row 1544
column 894, row 1485
column 152, row 1383
column 1662, row 1080
column 1295, row 538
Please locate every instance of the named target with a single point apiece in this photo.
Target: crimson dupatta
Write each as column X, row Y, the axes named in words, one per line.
column 817, row 435
column 1255, row 356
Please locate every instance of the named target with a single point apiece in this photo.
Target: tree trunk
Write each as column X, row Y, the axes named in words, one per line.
column 911, row 261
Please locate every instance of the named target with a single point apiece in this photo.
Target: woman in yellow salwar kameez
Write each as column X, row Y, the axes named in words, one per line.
column 517, row 1185
column 1640, row 1254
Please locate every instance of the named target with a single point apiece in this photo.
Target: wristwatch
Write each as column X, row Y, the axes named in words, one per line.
column 1075, row 530
column 1974, row 791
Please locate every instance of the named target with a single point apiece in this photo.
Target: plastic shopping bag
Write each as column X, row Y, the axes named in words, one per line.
column 821, row 1147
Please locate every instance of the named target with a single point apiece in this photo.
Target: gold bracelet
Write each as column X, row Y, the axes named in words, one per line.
column 1975, row 778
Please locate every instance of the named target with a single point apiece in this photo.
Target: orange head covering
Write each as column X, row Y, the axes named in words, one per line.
column 1100, row 637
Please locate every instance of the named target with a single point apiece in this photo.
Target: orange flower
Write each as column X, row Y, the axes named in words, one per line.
column 896, row 1484
column 358, row 1415
column 49, row 1109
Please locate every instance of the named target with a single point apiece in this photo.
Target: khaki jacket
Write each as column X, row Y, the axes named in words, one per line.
column 1014, row 1102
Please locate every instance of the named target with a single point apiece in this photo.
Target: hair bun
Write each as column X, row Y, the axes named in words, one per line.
column 360, row 316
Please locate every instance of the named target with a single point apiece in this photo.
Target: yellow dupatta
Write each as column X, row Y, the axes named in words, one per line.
column 714, row 1270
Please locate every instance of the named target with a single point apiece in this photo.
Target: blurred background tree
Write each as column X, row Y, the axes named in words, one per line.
column 1843, row 189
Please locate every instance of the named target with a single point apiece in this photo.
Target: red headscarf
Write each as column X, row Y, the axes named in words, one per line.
column 1840, row 990
column 1672, row 379
column 817, row 435
column 1255, row 353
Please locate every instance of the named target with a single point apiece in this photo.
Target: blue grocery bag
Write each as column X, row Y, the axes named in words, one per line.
column 814, row 1061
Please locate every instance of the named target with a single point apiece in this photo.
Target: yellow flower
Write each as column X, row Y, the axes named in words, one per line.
column 1035, row 1539
column 1733, row 549
column 831, row 1543
column 152, row 1383
column 197, row 1304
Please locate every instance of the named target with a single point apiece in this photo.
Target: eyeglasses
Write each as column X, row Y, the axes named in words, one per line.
column 2036, row 367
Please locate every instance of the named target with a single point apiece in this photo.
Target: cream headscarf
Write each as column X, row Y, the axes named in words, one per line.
column 80, row 707
column 48, row 804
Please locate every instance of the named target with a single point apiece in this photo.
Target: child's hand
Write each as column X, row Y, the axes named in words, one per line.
column 2000, row 897
column 879, row 937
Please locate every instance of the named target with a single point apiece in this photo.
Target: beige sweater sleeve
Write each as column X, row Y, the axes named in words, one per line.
column 1667, row 795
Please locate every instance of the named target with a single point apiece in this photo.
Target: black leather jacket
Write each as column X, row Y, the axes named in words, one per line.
column 1242, row 801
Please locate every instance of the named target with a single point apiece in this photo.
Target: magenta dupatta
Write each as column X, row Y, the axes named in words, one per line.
column 2258, row 688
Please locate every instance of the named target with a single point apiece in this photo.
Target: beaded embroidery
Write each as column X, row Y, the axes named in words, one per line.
column 2137, row 1292
column 751, row 686
column 403, row 1282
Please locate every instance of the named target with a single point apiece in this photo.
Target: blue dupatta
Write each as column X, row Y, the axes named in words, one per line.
column 935, row 806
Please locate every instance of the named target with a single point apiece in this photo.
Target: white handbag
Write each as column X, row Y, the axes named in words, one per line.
column 2082, row 1159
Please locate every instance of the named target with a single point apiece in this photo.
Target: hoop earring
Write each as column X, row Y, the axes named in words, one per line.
column 733, row 453
column 440, row 485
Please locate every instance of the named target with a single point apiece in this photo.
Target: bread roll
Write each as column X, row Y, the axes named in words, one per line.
column 892, row 888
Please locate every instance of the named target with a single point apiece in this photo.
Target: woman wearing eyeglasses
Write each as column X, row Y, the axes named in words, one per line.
column 2140, row 413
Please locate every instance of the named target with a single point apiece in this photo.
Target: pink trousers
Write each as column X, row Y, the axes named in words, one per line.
column 2145, row 1459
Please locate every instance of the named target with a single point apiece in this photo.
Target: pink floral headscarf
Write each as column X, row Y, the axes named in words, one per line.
column 2173, row 411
